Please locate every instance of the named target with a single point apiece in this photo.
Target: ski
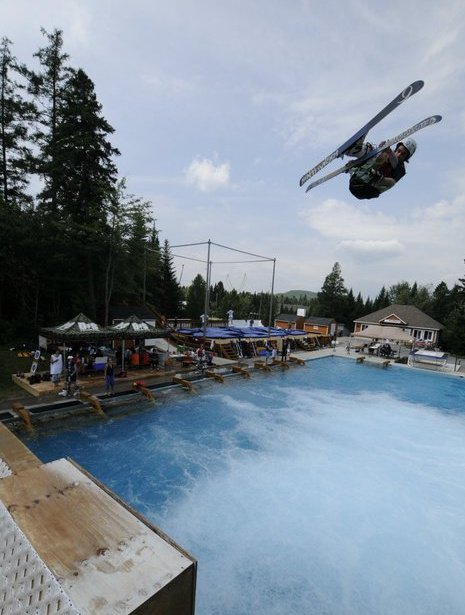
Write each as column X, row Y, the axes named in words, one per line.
column 429, row 121
column 409, row 91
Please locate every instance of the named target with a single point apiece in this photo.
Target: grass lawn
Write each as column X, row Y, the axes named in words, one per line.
column 10, row 364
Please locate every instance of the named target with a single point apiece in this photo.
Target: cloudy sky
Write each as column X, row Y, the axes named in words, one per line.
column 219, row 106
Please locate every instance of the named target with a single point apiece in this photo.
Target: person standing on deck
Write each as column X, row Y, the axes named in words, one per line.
column 109, row 374
column 284, row 349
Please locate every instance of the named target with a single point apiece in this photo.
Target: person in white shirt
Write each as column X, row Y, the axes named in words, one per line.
column 56, row 367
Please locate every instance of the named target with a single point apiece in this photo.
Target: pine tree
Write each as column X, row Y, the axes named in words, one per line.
column 15, row 113
column 85, row 160
column 171, row 291
column 359, row 308
column 332, row 297
column 196, row 298
column 84, row 180
column 351, row 311
column 400, row 293
column 421, row 297
column 154, row 282
column 455, row 321
column 368, row 306
column 441, row 302
column 132, row 252
column 382, row 300
column 48, row 88
column 141, row 262
column 117, row 231
column 18, row 262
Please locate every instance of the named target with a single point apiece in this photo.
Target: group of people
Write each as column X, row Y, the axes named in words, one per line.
column 81, row 361
column 204, row 319
column 203, row 357
column 71, row 370
column 140, row 357
column 271, row 352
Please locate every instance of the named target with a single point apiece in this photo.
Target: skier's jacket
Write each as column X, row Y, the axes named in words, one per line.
column 364, row 179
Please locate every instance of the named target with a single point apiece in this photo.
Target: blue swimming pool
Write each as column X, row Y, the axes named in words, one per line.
column 332, row 489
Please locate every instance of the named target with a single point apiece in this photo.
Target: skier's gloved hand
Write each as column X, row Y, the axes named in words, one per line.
column 376, row 176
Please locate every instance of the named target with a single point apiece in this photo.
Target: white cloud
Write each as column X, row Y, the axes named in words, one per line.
column 340, row 220
column 78, row 33
column 423, row 244
column 168, row 85
column 208, row 176
column 372, row 249
column 445, row 212
column 358, row 227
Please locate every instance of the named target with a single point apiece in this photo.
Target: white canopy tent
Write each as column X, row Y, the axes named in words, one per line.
column 394, row 334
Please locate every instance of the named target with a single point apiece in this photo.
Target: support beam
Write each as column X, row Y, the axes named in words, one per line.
column 240, row 370
column 217, row 377
column 143, row 390
column 186, row 385
column 86, row 397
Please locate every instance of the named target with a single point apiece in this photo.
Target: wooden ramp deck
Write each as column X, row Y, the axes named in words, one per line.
column 107, row 558
column 14, row 453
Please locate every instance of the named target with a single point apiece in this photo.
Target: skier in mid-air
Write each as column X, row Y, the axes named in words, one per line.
column 375, row 168
column 381, row 173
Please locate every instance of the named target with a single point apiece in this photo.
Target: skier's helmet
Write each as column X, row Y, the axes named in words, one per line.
column 410, row 145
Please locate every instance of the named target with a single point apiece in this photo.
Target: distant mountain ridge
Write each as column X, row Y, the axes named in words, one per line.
column 308, row 294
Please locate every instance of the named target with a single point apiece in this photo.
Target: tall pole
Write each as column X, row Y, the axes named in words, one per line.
column 271, row 298
column 207, row 292
column 144, row 287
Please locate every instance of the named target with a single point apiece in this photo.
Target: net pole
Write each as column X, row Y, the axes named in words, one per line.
column 270, row 315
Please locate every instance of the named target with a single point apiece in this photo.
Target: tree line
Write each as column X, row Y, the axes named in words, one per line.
column 444, row 304
column 72, row 239
column 334, row 300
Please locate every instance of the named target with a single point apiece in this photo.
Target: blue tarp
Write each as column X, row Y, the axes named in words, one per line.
column 241, row 332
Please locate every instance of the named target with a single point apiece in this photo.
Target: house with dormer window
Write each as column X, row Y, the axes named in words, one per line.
column 408, row 318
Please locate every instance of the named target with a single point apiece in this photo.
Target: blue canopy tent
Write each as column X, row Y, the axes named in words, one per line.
column 213, row 333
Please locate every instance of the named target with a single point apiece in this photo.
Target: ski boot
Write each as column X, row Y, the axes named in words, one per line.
column 359, row 148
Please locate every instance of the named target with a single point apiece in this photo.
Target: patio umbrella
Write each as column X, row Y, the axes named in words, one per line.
column 133, row 328
column 79, row 328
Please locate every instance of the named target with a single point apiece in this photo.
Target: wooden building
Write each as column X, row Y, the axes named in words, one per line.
column 326, row 327
column 415, row 323
column 289, row 321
